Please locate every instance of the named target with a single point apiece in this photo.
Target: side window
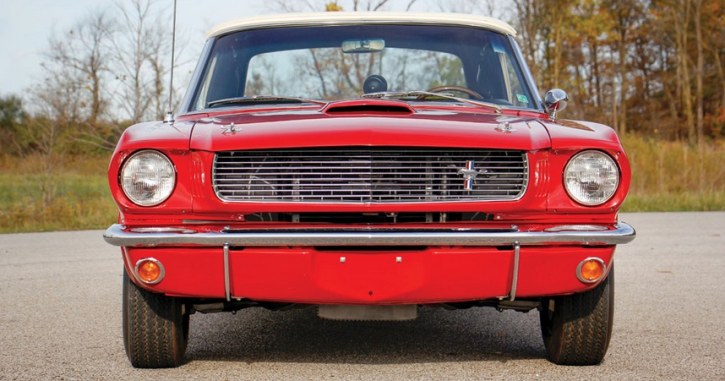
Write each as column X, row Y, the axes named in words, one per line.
column 516, row 94
column 204, row 90
column 499, row 77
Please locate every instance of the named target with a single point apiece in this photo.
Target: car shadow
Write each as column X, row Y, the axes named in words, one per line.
column 258, row 335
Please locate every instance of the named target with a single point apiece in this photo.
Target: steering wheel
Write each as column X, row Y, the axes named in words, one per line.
column 460, row 89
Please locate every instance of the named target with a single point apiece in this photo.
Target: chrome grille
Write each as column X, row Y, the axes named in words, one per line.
column 370, row 175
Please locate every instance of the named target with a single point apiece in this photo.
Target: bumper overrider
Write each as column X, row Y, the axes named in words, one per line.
column 402, row 266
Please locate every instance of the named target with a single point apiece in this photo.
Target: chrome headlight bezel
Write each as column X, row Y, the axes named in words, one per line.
column 592, row 165
column 151, row 186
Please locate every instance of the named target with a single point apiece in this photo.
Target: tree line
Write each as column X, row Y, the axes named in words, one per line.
column 654, row 67
column 651, row 67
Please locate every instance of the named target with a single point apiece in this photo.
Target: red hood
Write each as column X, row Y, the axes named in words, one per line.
column 355, row 125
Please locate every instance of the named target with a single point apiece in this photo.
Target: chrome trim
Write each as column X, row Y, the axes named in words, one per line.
column 187, row 102
column 533, row 89
column 564, row 228
column 370, row 175
column 163, row 230
column 157, row 262
column 566, row 172
column 620, row 233
column 227, row 288
column 469, row 174
column 555, row 101
column 515, row 280
column 579, row 268
column 169, row 118
column 129, row 266
column 121, row 173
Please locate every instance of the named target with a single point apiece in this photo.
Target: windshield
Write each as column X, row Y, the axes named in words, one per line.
column 345, row 62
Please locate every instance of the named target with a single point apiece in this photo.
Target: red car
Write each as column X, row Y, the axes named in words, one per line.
column 367, row 164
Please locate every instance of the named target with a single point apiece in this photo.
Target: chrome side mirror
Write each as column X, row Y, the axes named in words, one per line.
column 555, row 101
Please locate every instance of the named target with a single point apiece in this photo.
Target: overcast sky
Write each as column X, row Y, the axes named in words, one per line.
column 26, row 25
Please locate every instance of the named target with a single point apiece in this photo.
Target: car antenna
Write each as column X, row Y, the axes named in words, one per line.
column 170, row 114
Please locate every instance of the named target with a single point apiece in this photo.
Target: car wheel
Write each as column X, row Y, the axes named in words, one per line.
column 155, row 327
column 577, row 328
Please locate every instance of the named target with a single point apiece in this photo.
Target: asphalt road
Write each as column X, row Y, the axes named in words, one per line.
column 60, row 319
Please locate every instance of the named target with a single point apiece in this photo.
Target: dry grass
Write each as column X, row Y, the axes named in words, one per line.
column 76, row 197
column 666, row 176
column 674, row 176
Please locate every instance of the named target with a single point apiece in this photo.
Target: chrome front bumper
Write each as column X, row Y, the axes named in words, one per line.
column 585, row 235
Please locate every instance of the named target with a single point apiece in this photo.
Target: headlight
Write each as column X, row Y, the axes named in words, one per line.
column 148, row 178
column 591, row 177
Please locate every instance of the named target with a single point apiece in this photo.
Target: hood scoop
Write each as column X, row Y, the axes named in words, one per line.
column 360, row 107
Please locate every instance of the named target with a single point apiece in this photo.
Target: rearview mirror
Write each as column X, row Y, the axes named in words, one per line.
column 363, row 45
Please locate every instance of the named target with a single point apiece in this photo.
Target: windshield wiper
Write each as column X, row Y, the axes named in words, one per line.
column 262, row 99
column 420, row 95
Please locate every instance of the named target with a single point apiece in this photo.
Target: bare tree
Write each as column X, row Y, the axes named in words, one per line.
column 113, row 66
column 333, row 5
column 56, row 113
column 81, row 60
column 291, row 6
column 142, row 51
column 130, row 52
column 492, row 8
column 700, row 69
column 84, row 51
column 158, row 58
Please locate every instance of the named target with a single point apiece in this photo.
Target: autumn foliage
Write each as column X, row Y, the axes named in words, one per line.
column 654, row 67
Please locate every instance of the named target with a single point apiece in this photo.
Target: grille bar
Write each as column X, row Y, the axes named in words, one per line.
column 370, row 175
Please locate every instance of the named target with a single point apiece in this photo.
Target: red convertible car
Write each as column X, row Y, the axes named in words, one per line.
column 367, row 164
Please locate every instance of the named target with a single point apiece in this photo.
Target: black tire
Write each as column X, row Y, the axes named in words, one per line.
column 578, row 330
column 155, row 327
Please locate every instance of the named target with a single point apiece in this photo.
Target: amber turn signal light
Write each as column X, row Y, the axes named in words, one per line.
column 150, row 270
column 591, row 270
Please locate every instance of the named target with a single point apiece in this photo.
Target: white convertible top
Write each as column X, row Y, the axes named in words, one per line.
column 337, row 18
